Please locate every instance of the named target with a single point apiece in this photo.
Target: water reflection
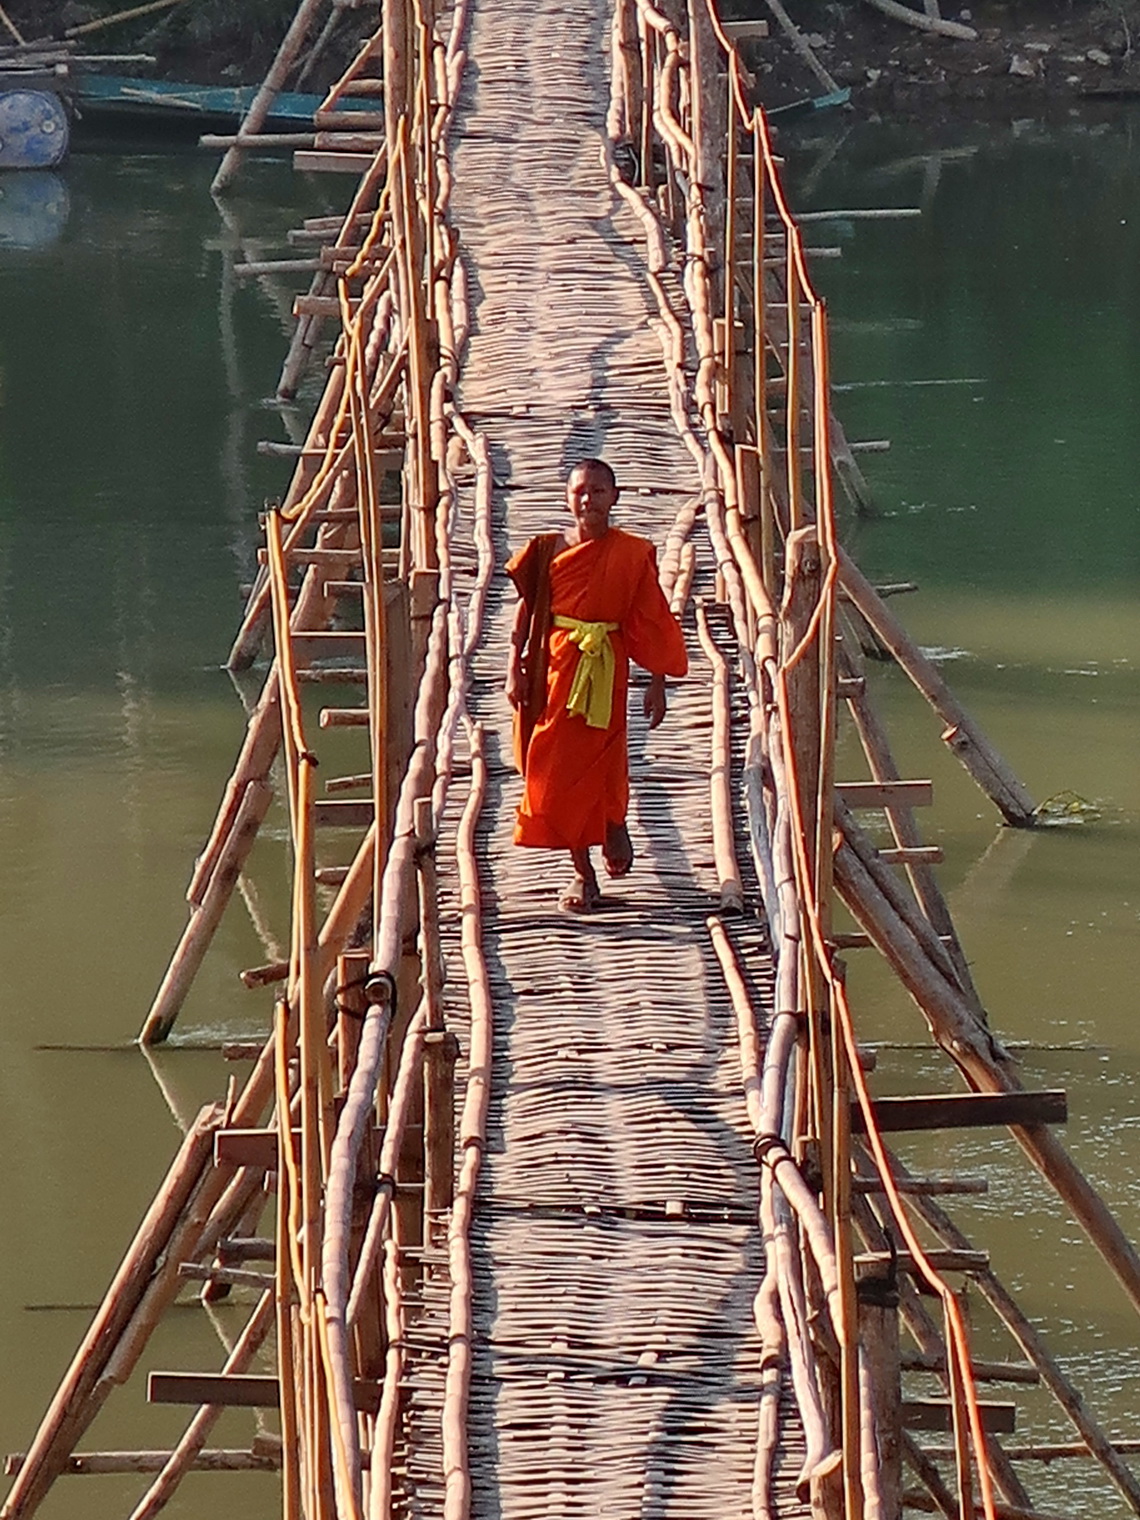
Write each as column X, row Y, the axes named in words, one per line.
column 34, row 206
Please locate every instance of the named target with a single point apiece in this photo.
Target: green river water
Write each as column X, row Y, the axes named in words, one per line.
column 995, row 341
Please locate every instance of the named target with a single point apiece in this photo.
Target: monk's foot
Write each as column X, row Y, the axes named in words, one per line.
column 617, row 850
column 582, row 895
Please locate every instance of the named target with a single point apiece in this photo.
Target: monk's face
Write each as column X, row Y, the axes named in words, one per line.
column 590, row 498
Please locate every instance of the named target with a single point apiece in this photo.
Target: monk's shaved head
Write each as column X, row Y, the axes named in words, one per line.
column 597, row 467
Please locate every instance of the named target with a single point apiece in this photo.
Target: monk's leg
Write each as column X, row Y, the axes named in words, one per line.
column 583, row 894
column 617, row 850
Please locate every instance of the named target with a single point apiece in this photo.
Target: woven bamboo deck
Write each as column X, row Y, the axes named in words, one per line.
column 616, row 1361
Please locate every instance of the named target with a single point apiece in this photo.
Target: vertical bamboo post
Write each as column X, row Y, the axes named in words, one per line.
column 351, row 1006
column 396, row 60
column 961, row 1428
column 879, row 1336
column 792, row 396
column 728, row 266
column 767, row 546
column 648, row 43
column 802, row 580
column 839, row 1159
column 708, row 89
column 286, row 1284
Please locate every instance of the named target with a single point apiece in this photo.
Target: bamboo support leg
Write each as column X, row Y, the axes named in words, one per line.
column 955, row 1027
column 962, row 734
column 882, row 1385
column 1035, row 1349
column 205, row 918
column 274, row 81
column 85, row 1386
column 924, row 883
column 189, row 1448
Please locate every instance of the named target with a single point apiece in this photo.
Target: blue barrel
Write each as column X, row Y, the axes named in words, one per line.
column 33, row 129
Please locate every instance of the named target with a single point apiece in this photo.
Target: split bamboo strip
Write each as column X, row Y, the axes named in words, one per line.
column 472, row 1139
column 720, row 779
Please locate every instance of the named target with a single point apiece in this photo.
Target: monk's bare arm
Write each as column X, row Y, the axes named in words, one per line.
column 654, row 701
column 514, row 682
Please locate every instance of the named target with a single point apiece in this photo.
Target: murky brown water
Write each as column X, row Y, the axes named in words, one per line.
column 131, row 386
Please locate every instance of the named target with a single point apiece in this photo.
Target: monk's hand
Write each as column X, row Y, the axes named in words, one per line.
column 654, row 703
column 513, row 685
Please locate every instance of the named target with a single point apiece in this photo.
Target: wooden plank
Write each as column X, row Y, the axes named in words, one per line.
column 323, row 643
column 246, row 1147
column 344, row 717
column 922, row 1186
column 342, row 813
column 308, row 161
column 319, row 306
column 880, row 794
column 874, row 1263
column 243, row 1390
column 210, row 1459
column 966, row 1110
column 913, row 855
column 984, row 1372
column 860, row 940
column 741, row 31
column 334, row 675
column 350, row 121
column 329, row 559
column 935, row 1414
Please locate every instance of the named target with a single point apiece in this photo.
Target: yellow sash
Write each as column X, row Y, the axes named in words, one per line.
column 592, row 690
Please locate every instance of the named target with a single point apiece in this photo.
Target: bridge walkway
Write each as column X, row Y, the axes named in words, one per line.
column 617, row 1362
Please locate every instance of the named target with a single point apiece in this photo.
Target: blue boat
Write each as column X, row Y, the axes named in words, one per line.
column 33, row 129
column 197, row 105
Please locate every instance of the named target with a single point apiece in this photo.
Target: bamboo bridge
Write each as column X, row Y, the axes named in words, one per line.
column 535, row 1215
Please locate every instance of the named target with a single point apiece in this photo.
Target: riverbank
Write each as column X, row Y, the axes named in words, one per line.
column 1036, row 58
column 202, row 41
column 1027, row 58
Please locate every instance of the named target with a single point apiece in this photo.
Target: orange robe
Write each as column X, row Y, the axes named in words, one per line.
column 577, row 777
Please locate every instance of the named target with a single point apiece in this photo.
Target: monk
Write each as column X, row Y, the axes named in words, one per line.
column 589, row 602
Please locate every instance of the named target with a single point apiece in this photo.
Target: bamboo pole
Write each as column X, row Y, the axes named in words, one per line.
column 12, row 27
column 204, row 918
column 274, row 81
column 472, row 1138
column 86, row 1386
column 186, row 1454
column 131, row 14
column 720, row 775
column 955, row 1027
column 962, row 734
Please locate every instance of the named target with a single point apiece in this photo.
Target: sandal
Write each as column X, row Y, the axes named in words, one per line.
column 581, row 896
